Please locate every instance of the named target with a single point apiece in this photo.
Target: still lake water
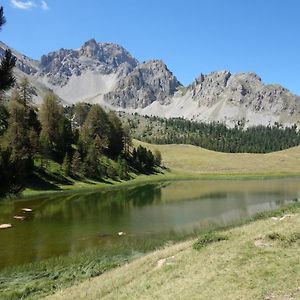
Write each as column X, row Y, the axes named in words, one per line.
column 70, row 222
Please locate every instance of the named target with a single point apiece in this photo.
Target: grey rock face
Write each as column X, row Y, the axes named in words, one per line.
column 148, row 82
column 243, row 90
column 104, row 58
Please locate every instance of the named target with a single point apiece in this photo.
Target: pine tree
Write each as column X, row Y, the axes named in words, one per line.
column 49, row 114
column 7, row 64
column 122, row 169
column 17, row 133
column 157, row 157
column 116, row 144
column 66, row 165
column 12, row 167
column 25, row 92
column 91, row 166
column 11, row 173
column 127, row 140
column 7, row 80
column 3, row 119
column 81, row 111
column 76, row 164
column 96, row 123
column 100, row 145
column 56, row 133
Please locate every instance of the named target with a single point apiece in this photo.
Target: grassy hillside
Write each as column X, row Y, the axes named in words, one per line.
column 188, row 159
column 183, row 162
column 255, row 261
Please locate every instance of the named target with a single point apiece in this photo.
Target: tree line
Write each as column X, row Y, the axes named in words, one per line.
column 214, row 136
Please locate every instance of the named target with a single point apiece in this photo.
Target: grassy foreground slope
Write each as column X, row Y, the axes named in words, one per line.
column 256, row 261
column 188, row 159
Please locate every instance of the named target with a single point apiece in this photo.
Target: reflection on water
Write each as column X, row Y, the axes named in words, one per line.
column 70, row 222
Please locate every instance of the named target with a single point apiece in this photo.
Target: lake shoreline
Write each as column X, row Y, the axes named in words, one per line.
column 155, row 178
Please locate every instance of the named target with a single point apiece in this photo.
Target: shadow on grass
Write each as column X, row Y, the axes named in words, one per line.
column 40, row 179
column 89, row 181
column 34, row 181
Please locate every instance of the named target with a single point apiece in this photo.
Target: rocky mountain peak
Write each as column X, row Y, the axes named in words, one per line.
column 102, row 58
column 108, row 53
column 148, row 82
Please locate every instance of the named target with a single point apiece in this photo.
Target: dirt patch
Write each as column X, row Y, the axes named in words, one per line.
column 293, row 295
column 262, row 243
column 281, row 218
column 165, row 261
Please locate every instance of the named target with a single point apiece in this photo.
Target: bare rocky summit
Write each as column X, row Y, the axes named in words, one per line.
column 148, row 82
column 108, row 74
column 103, row 58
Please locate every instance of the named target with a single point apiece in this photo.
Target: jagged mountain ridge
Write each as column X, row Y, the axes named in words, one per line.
column 106, row 73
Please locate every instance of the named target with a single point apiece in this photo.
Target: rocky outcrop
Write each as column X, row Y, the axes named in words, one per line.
column 148, row 82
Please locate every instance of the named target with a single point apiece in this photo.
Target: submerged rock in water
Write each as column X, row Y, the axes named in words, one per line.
column 21, row 218
column 5, row 226
column 27, row 209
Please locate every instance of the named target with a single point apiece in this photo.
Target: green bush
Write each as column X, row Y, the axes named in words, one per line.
column 294, row 237
column 275, row 236
column 286, row 240
column 209, row 238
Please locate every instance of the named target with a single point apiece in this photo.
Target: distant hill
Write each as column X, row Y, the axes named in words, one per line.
column 188, row 159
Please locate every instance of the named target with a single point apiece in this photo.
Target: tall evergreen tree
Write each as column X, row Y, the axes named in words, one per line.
column 157, row 157
column 11, row 167
column 116, row 141
column 8, row 62
column 96, row 124
column 56, row 133
column 7, row 79
column 81, row 111
column 127, row 140
column 25, row 92
column 66, row 165
column 17, row 133
column 76, row 163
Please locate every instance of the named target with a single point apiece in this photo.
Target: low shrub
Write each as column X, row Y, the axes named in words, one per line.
column 208, row 238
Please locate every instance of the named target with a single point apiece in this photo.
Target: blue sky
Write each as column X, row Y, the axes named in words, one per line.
column 191, row 36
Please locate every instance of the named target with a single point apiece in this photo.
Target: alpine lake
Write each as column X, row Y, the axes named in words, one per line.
column 65, row 223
